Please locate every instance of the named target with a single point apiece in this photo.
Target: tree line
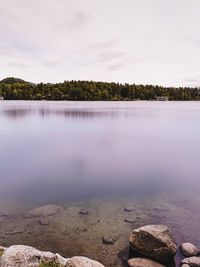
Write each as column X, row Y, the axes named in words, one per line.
column 17, row 89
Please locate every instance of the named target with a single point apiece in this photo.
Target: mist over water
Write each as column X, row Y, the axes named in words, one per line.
column 60, row 151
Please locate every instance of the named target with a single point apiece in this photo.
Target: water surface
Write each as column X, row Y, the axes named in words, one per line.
column 101, row 156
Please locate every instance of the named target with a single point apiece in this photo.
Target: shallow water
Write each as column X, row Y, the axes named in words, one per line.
column 101, row 156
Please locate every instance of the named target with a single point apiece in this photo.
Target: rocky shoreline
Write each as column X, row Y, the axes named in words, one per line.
column 150, row 246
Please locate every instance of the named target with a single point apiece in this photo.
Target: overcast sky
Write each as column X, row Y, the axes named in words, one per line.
column 133, row 41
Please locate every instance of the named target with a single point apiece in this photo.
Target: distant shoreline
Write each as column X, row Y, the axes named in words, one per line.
column 17, row 89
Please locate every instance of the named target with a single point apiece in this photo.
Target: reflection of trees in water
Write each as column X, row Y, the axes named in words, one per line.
column 68, row 113
column 17, row 113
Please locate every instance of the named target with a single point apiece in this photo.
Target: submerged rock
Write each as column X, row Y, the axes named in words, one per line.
column 44, row 221
column 142, row 262
column 191, row 261
column 188, row 249
column 108, row 240
column 127, row 220
column 154, row 241
column 43, row 211
column 82, row 262
column 128, row 209
column 15, row 230
column 4, row 216
column 83, row 212
column 25, row 256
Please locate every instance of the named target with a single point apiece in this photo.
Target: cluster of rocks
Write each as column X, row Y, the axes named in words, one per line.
column 25, row 256
column 152, row 246
column 157, row 247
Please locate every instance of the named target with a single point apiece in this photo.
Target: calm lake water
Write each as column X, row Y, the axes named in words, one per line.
column 101, row 156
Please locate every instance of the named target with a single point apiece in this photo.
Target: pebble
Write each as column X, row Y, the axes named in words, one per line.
column 191, row 261
column 15, row 231
column 108, row 240
column 188, row 249
column 43, row 221
column 127, row 220
column 143, row 262
column 83, row 212
column 128, row 209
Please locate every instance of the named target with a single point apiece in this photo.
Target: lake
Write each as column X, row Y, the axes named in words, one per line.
column 97, row 157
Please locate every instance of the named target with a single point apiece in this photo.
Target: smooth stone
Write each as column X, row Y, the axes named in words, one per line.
column 44, row 221
column 185, row 265
column 128, row 209
column 108, row 240
column 25, row 256
column 142, row 262
column 188, row 249
column 82, row 262
column 154, row 241
column 83, row 212
column 43, row 211
column 15, row 230
column 4, row 216
column 127, row 220
column 191, row 261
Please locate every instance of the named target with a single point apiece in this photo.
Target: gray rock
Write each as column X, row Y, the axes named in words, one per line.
column 15, row 230
column 24, row 256
column 44, row 221
column 191, row 261
column 154, row 241
column 188, row 249
column 4, row 216
column 82, row 262
column 128, row 209
column 127, row 220
column 141, row 262
column 43, row 211
column 83, row 212
column 108, row 240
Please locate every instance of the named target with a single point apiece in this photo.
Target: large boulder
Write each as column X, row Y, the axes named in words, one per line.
column 154, row 241
column 188, row 249
column 82, row 262
column 25, row 256
column 192, row 261
column 142, row 262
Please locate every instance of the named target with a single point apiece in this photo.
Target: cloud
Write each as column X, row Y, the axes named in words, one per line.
column 191, row 38
column 192, row 82
column 74, row 23
column 98, row 46
column 18, row 64
column 79, row 21
column 110, row 56
column 104, row 40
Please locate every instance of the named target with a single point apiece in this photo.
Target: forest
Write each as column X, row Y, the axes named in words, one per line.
column 17, row 89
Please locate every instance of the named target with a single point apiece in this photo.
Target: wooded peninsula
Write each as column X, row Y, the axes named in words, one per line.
column 17, row 89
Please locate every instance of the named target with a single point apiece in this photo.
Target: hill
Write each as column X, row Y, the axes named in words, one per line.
column 12, row 80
